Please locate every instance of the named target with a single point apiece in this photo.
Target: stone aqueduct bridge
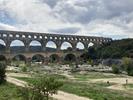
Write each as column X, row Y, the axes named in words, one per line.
column 44, row 38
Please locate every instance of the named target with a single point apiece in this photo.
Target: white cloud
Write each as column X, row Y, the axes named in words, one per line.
column 7, row 27
column 83, row 17
column 31, row 15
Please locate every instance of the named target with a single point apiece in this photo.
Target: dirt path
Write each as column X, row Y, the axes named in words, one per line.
column 18, row 75
column 16, row 82
column 67, row 96
column 60, row 96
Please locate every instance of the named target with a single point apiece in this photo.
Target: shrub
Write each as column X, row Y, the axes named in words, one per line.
column 91, row 62
column 128, row 65
column 130, row 73
column 115, row 69
column 24, row 69
column 2, row 73
column 40, row 89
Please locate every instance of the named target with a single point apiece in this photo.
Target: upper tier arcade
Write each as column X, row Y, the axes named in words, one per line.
column 44, row 38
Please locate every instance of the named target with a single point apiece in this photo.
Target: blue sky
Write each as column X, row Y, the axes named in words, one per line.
column 107, row 18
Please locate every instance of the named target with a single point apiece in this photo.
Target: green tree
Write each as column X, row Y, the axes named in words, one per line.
column 127, row 63
column 91, row 62
column 92, row 53
column 2, row 73
column 24, row 69
column 40, row 89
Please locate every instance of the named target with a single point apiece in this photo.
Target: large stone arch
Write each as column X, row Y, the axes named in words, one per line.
column 17, row 42
column 2, row 42
column 35, row 46
column 2, row 58
column 17, row 46
column 35, row 43
column 51, row 46
column 38, row 58
column 18, row 60
column 54, row 58
column 70, row 57
column 66, row 45
column 19, row 57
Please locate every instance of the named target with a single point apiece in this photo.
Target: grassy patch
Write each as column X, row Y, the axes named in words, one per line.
column 94, row 75
column 8, row 92
column 128, row 86
column 95, row 91
column 30, row 80
column 26, row 79
column 103, row 84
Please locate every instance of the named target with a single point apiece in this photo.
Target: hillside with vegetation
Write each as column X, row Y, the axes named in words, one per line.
column 116, row 49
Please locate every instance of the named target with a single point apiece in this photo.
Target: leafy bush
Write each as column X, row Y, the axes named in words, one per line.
column 24, row 69
column 128, row 65
column 40, row 89
column 115, row 69
column 130, row 73
column 2, row 73
column 91, row 62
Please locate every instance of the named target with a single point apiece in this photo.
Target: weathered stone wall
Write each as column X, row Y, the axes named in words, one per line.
column 44, row 38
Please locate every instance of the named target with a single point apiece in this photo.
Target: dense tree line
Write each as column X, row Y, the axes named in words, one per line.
column 115, row 49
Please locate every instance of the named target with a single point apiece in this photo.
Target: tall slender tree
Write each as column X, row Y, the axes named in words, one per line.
column 2, row 73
